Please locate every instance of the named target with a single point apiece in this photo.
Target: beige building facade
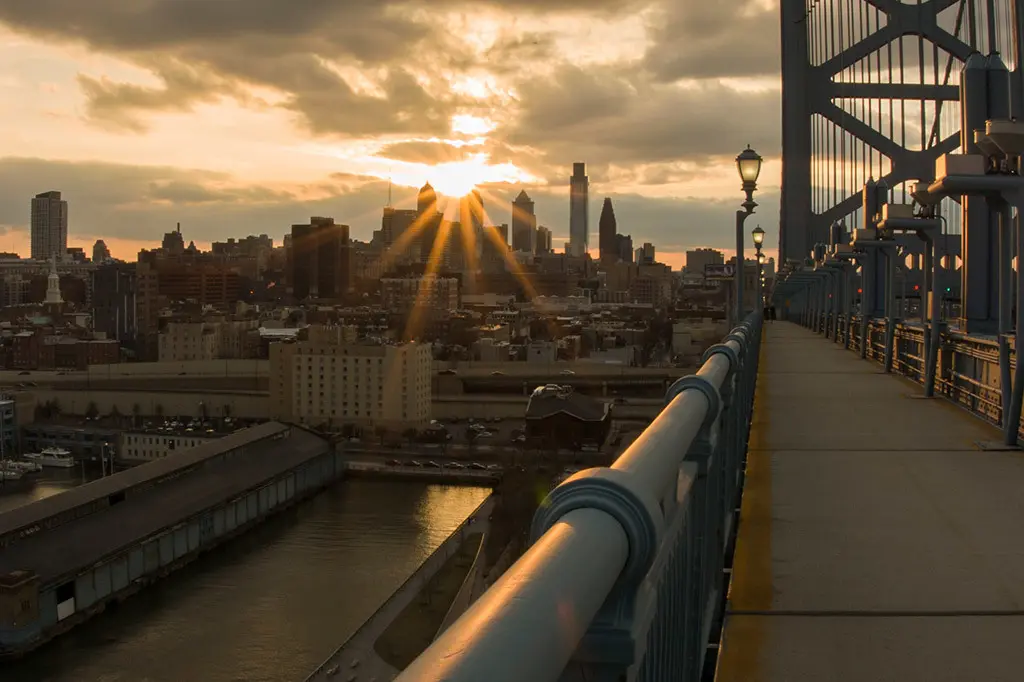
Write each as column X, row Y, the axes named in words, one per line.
column 334, row 382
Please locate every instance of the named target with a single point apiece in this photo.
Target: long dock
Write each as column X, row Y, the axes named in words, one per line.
column 64, row 558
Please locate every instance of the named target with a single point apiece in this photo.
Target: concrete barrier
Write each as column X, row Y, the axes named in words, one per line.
column 360, row 646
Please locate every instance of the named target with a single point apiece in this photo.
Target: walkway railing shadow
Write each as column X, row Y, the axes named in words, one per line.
column 625, row 576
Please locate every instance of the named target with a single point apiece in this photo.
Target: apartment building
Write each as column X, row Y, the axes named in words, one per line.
column 402, row 294
column 208, row 340
column 331, row 382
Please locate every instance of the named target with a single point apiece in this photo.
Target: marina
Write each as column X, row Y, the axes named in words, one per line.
column 52, row 457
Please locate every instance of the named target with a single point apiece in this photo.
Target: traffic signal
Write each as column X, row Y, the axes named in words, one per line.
column 860, row 291
column 917, row 287
column 948, row 289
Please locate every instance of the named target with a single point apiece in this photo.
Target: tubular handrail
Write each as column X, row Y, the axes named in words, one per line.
column 598, row 534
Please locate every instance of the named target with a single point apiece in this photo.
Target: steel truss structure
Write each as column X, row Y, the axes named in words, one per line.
column 870, row 89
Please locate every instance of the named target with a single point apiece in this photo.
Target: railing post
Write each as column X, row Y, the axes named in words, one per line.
column 732, row 441
column 708, row 453
column 609, row 647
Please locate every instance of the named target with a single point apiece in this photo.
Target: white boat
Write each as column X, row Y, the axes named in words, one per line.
column 52, row 457
column 23, row 467
column 7, row 476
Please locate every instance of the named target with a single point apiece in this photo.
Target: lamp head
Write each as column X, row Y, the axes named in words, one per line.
column 760, row 257
column 749, row 165
column 758, row 235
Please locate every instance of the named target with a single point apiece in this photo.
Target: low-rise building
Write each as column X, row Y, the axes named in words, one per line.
column 83, row 442
column 331, row 382
column 145, row 446
column 559, row 417
column 218, row 339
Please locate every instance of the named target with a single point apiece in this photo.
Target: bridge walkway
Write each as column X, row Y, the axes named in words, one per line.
column 878, row 540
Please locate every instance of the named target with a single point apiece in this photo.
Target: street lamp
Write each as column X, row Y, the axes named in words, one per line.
column 748, row 163
column 758, row 235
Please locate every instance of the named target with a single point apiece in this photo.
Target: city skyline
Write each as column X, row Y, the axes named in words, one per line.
column 144, row 128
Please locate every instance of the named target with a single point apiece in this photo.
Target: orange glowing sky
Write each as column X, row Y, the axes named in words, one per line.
column 236, row 118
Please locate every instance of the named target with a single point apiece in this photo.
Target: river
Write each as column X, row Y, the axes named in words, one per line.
column 271, row 605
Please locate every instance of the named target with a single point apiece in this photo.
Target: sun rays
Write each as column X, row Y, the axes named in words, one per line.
column 432, row 231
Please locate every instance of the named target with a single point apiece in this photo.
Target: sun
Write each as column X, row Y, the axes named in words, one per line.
column 459, row 178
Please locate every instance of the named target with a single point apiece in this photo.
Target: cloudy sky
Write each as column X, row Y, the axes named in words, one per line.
column 235, row 117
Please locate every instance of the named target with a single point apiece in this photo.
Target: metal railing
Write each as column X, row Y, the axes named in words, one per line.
column 967, row 368
column 625, row 577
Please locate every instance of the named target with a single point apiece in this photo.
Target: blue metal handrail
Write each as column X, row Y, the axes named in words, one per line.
column 625, row 574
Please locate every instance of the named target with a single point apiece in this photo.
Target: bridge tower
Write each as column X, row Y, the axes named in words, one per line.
column 871, row 90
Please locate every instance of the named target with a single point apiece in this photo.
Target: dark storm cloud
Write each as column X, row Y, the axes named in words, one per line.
column 722, row 38
column 609, row 116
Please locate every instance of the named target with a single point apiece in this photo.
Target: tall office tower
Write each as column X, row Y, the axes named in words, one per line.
column 645, row 254
column 471, row 218
column 426, row 200
column 543, row 240
column 393, row 224
column 608, row 246
column 524, row 223
column 494, row 249
column 579, row 224
column 624, row 242
column 49, row 226
column 428, row 221
column 321, row 260
column 476, row 210
column 100, row 252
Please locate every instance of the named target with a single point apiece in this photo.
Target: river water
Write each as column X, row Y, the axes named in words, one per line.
column 271, row 605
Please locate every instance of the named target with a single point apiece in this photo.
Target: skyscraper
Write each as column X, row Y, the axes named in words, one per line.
column 100, row 252
column 471, row 218
column 524, row 224
column 321, row 262
column 543, row 240
column 49, row 226
column 645, row 254
column 579, row 224
column 624, row 243
column 428, row 221
column 608, row 246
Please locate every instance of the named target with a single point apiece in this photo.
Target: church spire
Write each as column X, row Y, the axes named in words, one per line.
column 53, row 296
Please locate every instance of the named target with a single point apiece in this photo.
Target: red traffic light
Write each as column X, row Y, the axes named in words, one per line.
column 917, row 287
column 860, row 291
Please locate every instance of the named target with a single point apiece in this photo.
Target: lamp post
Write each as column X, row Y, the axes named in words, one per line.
column 758, row 236
column 748, row 163
column 760, row 277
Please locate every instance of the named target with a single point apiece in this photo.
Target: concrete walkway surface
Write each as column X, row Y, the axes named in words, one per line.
column 877, row 541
